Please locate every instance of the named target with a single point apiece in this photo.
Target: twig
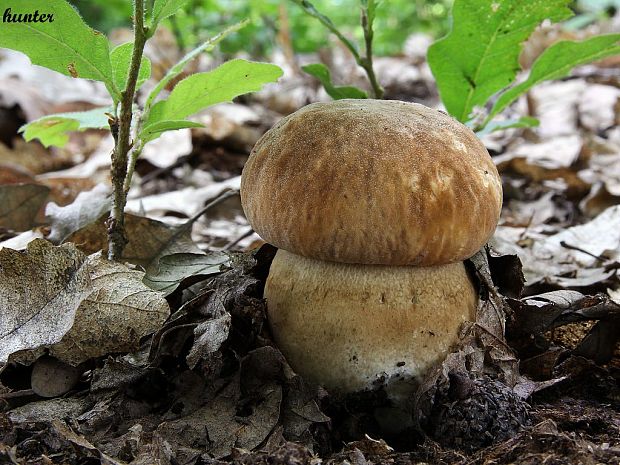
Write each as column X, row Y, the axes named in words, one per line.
column 17, row 394
column 166, row 169
column 574, row 247
column 116, row 223
column 217, row 200
column 234, row 242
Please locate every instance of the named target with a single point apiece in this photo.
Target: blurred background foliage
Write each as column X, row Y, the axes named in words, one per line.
column 395, row 21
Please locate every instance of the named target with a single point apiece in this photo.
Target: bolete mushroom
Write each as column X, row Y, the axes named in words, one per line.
column 374, row 205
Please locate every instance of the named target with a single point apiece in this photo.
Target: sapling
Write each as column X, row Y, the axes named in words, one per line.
column 320, row 71
column 69, row 46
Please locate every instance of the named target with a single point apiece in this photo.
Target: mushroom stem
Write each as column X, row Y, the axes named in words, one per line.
column 353, row 327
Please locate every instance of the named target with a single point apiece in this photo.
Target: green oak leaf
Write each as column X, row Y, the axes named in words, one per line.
column 321, row 72
column 556, row 62
column 53, row 129
column 480, row 55
column 200, row 90
column 154, row 130
column 120, row 59
column 163, row 9
column 66, row 45
column 178, row 68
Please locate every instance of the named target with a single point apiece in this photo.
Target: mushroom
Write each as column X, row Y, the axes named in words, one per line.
column 373, row 205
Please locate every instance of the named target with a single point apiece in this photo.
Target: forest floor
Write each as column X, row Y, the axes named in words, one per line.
column 210, row 386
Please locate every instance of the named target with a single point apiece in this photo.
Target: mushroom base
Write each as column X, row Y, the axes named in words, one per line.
column 356, row 327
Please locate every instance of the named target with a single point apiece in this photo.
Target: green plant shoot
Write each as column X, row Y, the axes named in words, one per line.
column 368, row 9
column 69, row 46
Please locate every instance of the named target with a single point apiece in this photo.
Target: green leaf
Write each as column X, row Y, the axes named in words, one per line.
column 200, row 90
column 66, row 45
column 321, row 72
column 523, row 122
column 480, row 55
column 53, row 129
column 120, row 59
column 178, row 68
column 556, row 62
column 163, row 9
column 154, row 130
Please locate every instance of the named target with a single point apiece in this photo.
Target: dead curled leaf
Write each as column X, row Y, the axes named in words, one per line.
column 535, row 315
column 57, row 439
column 206, row 310
column 76, row 307
column 87, row 208
column 579, row 256
column 208, row 338
column 263, row 393
column 227, row 422
column 539, row 313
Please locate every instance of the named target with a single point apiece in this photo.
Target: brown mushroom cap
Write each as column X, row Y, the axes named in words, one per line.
column 348, row 326
column 372, row 181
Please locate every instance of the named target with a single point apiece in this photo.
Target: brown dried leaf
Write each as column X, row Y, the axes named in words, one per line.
column 74, row 307
column 20, row 204
column 64, row 191
column 33, row 157
column 574, row 257
column 40, row 292
column 228, row 421
column 87, row 208
column 539, row 313
column 149, row 239
column 11, row 173
column 208, row 338
column 118, row 312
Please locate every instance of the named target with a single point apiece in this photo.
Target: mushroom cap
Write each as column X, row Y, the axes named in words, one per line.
column 372, row 181
column 348, row 326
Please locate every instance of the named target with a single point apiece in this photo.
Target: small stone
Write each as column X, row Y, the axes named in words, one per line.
column 52, row 378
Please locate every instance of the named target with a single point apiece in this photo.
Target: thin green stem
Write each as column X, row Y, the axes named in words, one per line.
column 366, row 62
column 312, row 11
column 117, row 238
column 363, row 61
